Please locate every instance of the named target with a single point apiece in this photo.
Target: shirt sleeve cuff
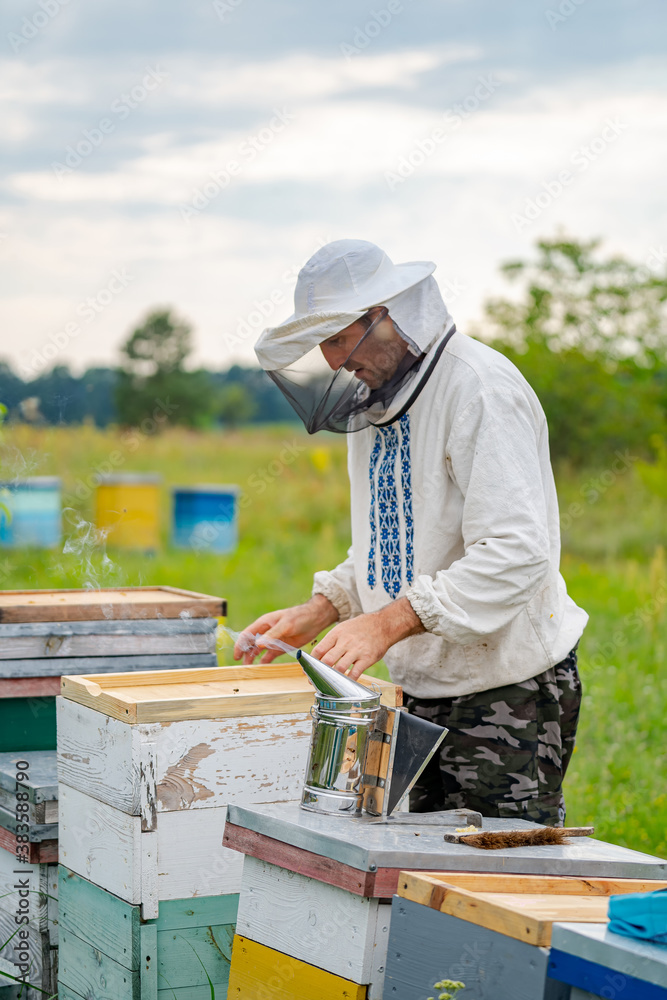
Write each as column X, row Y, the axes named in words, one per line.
column 326, row 585
column 427, row 608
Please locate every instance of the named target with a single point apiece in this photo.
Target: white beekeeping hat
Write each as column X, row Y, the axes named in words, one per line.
column 337, row 286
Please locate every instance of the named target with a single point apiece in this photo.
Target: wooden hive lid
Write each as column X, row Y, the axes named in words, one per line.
column 211, row 693
column 107, row 604
column 524, row 907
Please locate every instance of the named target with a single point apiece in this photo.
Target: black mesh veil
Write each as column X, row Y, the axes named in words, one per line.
column 340, row 401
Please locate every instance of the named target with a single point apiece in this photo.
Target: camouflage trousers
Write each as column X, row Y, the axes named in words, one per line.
column 507, row 749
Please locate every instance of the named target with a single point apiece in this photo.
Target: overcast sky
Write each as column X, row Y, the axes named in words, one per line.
column 195, row 154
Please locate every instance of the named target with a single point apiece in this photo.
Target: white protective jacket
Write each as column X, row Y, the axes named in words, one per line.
column 454, row 506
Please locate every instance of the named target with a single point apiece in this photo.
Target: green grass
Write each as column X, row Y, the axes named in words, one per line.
column 295, row 520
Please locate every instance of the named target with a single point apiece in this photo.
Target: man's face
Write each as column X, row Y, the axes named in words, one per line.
column 375, row 360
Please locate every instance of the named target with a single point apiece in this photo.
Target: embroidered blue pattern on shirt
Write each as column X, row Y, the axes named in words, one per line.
column 375, row 455
column 384, row 500
column 406, row 484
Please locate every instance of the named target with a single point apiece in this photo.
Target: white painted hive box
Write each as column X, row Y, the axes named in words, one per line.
column 147, row 763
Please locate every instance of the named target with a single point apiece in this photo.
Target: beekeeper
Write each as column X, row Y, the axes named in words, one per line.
column 453, row 573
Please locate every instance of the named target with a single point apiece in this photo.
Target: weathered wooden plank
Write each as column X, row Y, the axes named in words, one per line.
column 296, row 859
column 317, row 923
column 29, row 687
column 186, row 954
column 101, row 664
column 200, row 763
column 380, row 950
column 133, row 626
column 39, row 779
column 201, row 911
column 105, row 922
column 45, row 851
column 39, row 813
column 227, row 692
column 100, row 756
column 32, row 949
column 107, row 603
column 426, row 946
column 90, row 973
column 101, row 843
column 425, row 889
column 192, row 992
column 35, row 878
column 34, row 787
column 99, row 919
column 51, row 919
column 65, row 993
column 36, row 832
column 260, row 971
column 204, row 867
column 105, row 845
column 62, row 646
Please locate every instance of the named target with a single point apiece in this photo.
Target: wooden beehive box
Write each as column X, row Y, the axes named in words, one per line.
column 149, row 761
column 491, row 931
column 47, row 633
column 107, row 604
column 40, row 908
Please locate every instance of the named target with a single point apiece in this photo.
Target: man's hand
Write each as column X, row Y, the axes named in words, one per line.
column 295, row 626
column 362, row 641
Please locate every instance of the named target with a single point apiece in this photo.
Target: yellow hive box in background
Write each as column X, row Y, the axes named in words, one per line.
column 127, row 510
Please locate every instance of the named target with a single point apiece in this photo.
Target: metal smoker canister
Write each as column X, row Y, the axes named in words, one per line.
column 343, row 717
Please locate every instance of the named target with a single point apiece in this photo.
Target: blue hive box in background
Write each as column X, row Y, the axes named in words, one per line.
column 34, row 507
column 205, row 518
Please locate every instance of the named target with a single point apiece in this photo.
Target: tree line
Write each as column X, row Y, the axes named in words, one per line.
column 588, row 331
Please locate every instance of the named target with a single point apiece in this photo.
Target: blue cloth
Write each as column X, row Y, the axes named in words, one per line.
column 640, row 915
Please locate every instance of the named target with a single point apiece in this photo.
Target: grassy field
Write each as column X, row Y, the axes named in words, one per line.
column 295, row 519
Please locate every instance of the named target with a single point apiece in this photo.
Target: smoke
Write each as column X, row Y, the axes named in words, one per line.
column 254, row 644
column 88, row 544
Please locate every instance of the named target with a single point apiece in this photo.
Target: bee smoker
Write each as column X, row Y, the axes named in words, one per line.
column 364, row 757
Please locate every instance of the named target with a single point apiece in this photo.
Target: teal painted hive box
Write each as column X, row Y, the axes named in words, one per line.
column 30, row 515
column 108, row 951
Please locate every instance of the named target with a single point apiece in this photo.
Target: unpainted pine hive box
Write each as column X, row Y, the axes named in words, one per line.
column 491, row 931
column 149, row 761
